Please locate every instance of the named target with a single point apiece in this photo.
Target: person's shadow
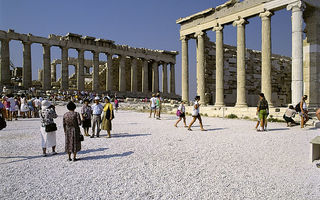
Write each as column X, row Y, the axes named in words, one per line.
column 107, row 156
column 92, row 150
column 124, row 135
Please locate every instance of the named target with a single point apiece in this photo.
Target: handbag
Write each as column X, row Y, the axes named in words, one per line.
column 51, row 127
column 81, row 137
column 178, row 113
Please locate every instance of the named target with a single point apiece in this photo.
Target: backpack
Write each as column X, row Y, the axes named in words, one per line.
column 297, row 108
column 3, row 123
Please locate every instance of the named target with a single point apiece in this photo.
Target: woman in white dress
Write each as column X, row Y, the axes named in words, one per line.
column 24, row 106
column 47, row 115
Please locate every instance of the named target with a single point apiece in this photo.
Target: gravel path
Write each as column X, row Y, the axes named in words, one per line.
column 151, row 159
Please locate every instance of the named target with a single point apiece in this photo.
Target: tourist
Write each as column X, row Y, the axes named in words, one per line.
column 181, row 114
column 48, row 127
column 2, row 108
column 289, row 115
column 97, row 109
column 12, row 107
column 16, row 108
column 116, row 103
column 108, row 116
column 86, row 113
column 153, row 106
column 7, row 107
column 318, row 114
column 196, row 114
column 303, row 111
column 31, row 107
column 158, row 106
column 262, row 111
column 24, row 109
column 71, row 123
column 37, row 106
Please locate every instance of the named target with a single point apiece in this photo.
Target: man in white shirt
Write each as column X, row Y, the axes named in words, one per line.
column 153, row 106
column 97, row 110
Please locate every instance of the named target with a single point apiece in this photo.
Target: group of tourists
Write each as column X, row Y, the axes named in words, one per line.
column 155, row 106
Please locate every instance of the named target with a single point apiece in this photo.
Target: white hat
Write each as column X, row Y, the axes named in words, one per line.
column 97, row 98
column 45, row 104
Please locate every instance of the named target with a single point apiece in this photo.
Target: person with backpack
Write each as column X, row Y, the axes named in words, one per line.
column 303, row 110
column 262, row 111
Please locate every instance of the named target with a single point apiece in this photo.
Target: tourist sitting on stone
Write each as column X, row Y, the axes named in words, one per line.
column 181, row 113
column 71, row 126
column 303, row 111
column 86, row 112
column 289, row 115
column 262, row 111
column 108, row 116
column 196, row 114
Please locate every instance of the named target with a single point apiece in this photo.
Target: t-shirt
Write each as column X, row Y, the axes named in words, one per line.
column 263, row 104
column 153, row 102
column 290, row 113
column 182, row 108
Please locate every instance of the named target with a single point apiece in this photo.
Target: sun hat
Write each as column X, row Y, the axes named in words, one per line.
column 97, row 98
column 45, row 104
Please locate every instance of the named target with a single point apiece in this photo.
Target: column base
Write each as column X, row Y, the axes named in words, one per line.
column 219, row 105
column 241, row 105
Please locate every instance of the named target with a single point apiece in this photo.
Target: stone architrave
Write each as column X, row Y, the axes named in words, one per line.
column 297, row 50
column 26, row 70
column 241, row 62
column 155, row 77
column 5, row 63
column 80, row 74
column 134, row 80
column 122, row 74
column 46, row 67
column 95, row 74
column 64, row 69
column 219, row 66
column 145, row 76
column 200, row 66
column 109, row 78
column 185, row 68
column 164, row 78
column 266, row 53
column 53, row 72
column 172, row 79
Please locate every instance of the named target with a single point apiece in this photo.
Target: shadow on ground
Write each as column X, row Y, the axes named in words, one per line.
column 107, row 156
column 120, row 135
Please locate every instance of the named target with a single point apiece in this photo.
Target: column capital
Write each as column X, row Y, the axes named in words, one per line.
column 46, row 45
column 296, row 6
column 80, row 50
column 218, row 28
column 26, row 42
column 240, row 22
column 199, row 34
column 63, row 47
column 184, row 38
column 265, row 15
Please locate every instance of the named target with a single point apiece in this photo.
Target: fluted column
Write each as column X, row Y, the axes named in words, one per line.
column 145, row 76
column 172, row 79
column 95, row 74
column 109, row 78
column 155, row 77
column 80, row 74
column 185, row 68
column 26, row 70
column 219, row 66
column 53, row 72
column 241, row 63
column 122, row 74
column 64, row 69
column 5, row 63
column 200, row 66
column 297, row 50
column 164, row 78
column 134, row 80
column 46, row 67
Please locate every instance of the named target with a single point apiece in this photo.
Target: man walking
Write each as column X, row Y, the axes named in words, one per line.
column 97, row 110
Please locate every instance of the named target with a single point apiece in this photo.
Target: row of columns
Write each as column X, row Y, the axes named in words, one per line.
column 266, row 87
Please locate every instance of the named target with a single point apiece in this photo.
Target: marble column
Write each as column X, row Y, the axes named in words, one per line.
column 80, row 73
column 40, row 75
column 266, row 86
column 200, row 66
column 53, row 72
column 164, row 78
column 219, row 67
column 95, row 74
column 26, row 70
column 109, row 78
column 122, row 73
column 172, row 79
column 185, row 68
column 46, row 67
column 241, row 63
column 145, row 76
column 297, row 50
column 134, row 79
column 64, row 69
column 5, row 63
column 155, row 77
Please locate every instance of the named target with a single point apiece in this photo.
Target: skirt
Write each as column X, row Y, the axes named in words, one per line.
column 106, row 125
column 48, row 139
column 86, row 123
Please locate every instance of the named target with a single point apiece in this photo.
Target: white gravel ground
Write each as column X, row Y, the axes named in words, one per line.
column 151, row 159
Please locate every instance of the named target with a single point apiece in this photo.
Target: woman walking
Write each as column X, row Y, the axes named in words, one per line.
column 71, row 122
column 48, row 128
column 262, row 111
column 196, row 114
column 303, row 111
column 181, row 114
column 24, row 108
column 108, row 116
column 86, row 113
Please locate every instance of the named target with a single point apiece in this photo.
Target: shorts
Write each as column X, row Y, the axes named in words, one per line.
column 153, row 108
column 263, row 114
column 182, row 115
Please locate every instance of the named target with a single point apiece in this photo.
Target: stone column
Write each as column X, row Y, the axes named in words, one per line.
column 219, row 66
column 40, row 75
column 200, row 66
column 95, row 74
column 53, row 72
column 122, row 74
column 80, row 74
column 145, row 76
column 64, row 69
column 155, row 77
column 5, row 63
column 164, row 78
column 109, row 78
column 46, row 67
column 172, row 79
column 27, row 70
column 185, row 68
column 241, row 63
column 134, row 80
column 297, row 50
column 266, row 86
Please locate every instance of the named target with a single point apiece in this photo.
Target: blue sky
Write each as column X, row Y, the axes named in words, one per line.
column 140, row 23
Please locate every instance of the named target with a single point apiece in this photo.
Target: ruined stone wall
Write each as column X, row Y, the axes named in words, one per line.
column 281, row 76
